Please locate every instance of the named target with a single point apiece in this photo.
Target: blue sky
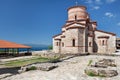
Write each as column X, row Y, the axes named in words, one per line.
column 36, row 21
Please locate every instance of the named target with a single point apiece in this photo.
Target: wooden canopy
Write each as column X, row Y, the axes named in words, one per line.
column 11, row 48
column 7, row 44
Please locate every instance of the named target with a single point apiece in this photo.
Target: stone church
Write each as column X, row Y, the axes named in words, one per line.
column 80, row 35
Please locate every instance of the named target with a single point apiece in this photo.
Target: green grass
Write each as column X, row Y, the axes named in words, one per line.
column 94, row 74
column 90, row 61
column 23, row 62
column 91, row 74
column 31, row 68
column 102, row 76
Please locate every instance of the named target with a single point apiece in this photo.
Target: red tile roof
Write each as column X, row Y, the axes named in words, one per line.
column 7, row 44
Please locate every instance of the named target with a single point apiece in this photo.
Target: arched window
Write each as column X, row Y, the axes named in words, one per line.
column 73, row 42
column 103, row 42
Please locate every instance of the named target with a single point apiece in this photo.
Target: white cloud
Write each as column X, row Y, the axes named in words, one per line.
column 98, row 1
column 109, row 14
column 89, row 1
column 93, row 1
column 96, row 7
column 93, row 4
column 118, row 24
column 110, row 1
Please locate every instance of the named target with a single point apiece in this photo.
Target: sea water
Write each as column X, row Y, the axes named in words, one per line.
column 34, row 49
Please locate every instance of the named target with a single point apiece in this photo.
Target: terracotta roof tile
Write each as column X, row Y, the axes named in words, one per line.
column 7, row 44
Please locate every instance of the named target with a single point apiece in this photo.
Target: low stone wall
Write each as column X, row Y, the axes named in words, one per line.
column 46, row 54
column 106, row 54
column 2, row 76
column 102, row 68
column 38, row 66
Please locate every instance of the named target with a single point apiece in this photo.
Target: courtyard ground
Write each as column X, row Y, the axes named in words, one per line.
column 71, row 69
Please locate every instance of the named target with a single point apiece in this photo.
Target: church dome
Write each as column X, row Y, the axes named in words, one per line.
column 77, row 12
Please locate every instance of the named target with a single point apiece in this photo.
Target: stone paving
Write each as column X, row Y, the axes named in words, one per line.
column 71, row 69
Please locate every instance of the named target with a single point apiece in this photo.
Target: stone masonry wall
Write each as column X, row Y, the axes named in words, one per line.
column 70, row 35
column 111, row 44
column 81, row 38
column 56, row 48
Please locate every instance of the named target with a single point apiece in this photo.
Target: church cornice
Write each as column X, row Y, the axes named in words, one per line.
column 62, row 36
column 103, row 37
column 63, row 31
column 106, row 32
column 78, row 20
column 75, row 22
column 75, row 28
column 90, row 35
column 77, row 46
column 58, row 39
column 57, row 35
column 94, row 22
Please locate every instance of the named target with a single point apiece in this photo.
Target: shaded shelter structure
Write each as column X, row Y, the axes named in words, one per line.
column 11, row 48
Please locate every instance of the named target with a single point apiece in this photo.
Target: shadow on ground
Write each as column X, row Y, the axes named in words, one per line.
column 9, row 70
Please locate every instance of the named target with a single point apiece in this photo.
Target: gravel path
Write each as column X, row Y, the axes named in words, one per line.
column 71, row 69
column 16, row 58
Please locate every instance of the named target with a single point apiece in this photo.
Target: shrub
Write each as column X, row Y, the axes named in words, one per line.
column 31, row 68
column 90, row 73
column 55, row 60
column 50, row 47
column 93, row 73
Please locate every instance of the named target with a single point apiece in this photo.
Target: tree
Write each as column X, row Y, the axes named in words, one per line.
column 50, row 47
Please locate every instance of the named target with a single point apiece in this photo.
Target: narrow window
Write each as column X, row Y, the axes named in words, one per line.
column 75, row 17
column 90, row 44
column 73, row 42
column 62, row 44
column 56, row 43
column 103, row 42
column 59, row 43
